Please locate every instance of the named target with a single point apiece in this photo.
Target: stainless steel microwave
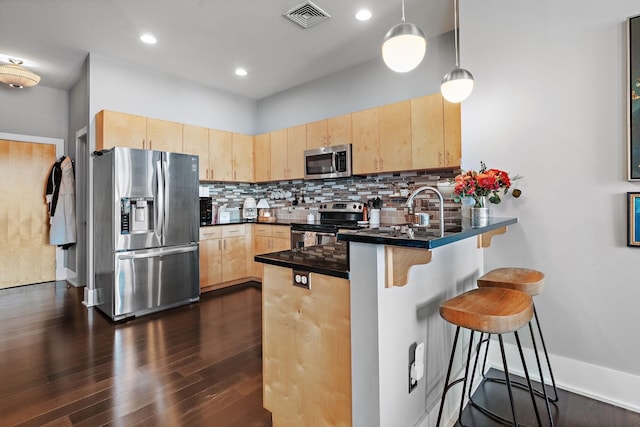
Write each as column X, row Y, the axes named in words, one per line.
column 328, row 162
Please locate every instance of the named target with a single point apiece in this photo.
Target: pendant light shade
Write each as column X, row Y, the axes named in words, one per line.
column 16, row 76
column 458, row 83
column 404, row 46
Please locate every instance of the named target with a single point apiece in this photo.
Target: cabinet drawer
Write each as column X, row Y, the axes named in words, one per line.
column 280, row 231
column 232, row 230
column 262, row 230
column 207, row 233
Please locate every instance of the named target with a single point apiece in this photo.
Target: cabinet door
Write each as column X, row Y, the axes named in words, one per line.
column 234, row 255
column 210, row 262
column 452, row 134
column 339, row 130
column 395, row 137
column 262, row 156
column 365, row 141
column 296, row 143
column 195, row 140
column 114, row 129
column 279, row 154
column 427, row 137
column 261, row 245
column 163, row 135
column 317, row 134
column 220, row 155
column 242, row 157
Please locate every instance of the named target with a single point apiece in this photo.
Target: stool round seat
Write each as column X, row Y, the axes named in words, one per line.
column 492, row 310
column 519, row 279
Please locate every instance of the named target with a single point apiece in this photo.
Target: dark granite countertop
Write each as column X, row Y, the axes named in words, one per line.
column 331, row 259
column 418, row 237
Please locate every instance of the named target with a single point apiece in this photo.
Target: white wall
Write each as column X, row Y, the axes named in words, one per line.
column 38, row 110
column 118, row 86
column 357, row 88
column 549, row 104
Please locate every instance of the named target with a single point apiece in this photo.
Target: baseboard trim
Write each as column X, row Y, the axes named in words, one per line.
column 602, row 384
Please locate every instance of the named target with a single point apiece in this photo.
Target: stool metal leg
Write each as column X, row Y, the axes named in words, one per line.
column 546, row 355
column 547, row 399
column 447, row 386
column 526, row 374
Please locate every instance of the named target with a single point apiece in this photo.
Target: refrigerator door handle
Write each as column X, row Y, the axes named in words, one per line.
column 157, row 252
column 161, row 199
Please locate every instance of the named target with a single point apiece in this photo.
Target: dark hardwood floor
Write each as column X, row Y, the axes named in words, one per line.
column 62, row 364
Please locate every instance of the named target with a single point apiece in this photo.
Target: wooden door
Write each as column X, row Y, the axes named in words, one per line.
column 25, row 254
column 114, row 129
column 242, row 157
column 195, row 140
column 296, row 143
column 164, row 135
column 365, row 139
column 220, row 155
column 395, row 137
column 210, row 262
column 427, row 137
column 339, row 130
column 279, row 154
column 452, row 134
column 316, row 134
column 234, row 256
column 262, row 156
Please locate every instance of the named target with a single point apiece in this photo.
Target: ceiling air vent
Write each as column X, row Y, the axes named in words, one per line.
column 307, row 15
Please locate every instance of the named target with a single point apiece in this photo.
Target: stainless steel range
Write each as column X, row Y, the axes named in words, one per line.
column 334, row 216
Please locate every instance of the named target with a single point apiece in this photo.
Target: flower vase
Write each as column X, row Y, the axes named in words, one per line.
column 480, row 213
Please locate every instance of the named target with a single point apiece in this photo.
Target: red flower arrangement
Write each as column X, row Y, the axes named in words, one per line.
column 482, row 184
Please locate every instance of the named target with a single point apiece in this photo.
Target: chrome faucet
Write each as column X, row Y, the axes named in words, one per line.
column 441, row 199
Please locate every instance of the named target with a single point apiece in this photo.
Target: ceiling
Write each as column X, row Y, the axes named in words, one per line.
column 206, row 40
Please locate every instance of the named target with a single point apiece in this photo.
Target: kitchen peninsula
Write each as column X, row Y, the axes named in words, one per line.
column 346, row 331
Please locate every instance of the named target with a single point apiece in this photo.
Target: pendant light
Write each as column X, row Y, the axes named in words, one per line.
column 403, row 46
column 16, row 76
column 458, row 83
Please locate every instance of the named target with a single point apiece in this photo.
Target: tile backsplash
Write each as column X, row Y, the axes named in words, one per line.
column 295, row 199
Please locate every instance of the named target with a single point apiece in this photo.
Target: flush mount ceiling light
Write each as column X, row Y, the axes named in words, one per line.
column 241, row 72
column 363, row 15
column 458, row 83
column 16, row 76
column 148, row 39
column 403, row 47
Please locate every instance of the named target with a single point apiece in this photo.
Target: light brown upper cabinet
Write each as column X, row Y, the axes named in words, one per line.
column 382, row 139
column 333, row 131
column 435, row 133
column 164, row 135
column 395, row 137
column 242, row 157
column 114, row 129
column 195, row 140
column 230, row 156
column 287, row 153
column 262, row 155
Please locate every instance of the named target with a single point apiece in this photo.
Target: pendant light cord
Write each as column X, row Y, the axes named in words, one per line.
column 403, row 11
column 455, row 31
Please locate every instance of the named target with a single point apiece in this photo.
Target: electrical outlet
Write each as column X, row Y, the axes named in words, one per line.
column 302, row 279
column 412, row 363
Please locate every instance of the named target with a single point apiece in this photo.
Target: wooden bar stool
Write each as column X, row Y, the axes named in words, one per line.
column 490, row 311
column 530, row 282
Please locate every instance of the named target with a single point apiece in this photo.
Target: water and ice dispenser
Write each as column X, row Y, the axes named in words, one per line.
column 136, row 215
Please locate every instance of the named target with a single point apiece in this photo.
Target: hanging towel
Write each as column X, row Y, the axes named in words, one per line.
column 60, row 197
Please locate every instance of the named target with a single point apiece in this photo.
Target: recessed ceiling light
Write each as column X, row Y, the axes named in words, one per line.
column 241, row 72
column 148, row 39
column 363, row 15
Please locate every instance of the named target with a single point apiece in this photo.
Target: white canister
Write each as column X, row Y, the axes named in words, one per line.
column 311, row 218
column 374, row 217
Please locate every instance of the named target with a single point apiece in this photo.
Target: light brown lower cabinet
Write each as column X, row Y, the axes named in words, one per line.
column 306, row 351
column 223, row 255
column 269, row 238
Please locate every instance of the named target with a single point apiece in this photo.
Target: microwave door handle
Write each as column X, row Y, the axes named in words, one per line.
column 336, row 160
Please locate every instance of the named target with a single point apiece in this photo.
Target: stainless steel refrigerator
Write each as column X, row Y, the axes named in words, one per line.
column 145, row 216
